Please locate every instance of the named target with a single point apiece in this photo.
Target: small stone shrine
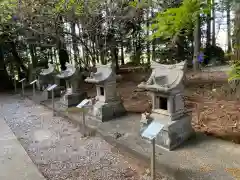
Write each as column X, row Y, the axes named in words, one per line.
column 108, row 104
column 73, row 95
column 166, row 88
column 46, row 78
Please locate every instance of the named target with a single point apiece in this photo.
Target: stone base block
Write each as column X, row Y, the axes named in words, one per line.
column 71, row 100
column 174, row 133
column 48, row 94
column 108, row 111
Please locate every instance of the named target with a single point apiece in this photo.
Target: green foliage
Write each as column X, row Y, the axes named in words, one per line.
column 7, row 9
column 64, row 6
column 234, row 73
column 173, row 21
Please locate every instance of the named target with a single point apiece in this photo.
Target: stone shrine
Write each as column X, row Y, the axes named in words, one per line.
column 73, row 95
column 108, row 104
column 166, row 88
column 47, row 78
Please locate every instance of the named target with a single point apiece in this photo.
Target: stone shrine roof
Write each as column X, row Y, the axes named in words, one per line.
column 165, row 78
column 69, row 72
column 48, row 71
column 104, row 73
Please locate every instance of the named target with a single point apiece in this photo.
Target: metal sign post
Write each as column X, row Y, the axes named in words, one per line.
column 34, row 89
column 22, row 81
column 83, row 105
column 51, row 88
column 151, row 133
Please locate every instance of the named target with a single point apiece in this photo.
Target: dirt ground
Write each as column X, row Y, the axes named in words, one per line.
column 215, row 110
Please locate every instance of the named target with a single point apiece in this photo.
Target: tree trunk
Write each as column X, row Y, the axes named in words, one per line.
column 18, row 60
column 213, row 24
column 237, row 33
column 197, row 43
column 74, row 41
column 208, row 39
column 153, row 41
column 122, row 54
column 148, row 43
column 4, row 77
column 229, row 41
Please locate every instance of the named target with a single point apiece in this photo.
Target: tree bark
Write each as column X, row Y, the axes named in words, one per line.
column 229, row 41
column 213, row 24
column 237, row 33
column 4, row 77
column 208, row 33
column 197, row 44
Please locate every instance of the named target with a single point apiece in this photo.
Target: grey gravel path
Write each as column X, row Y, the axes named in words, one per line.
column 57, row 147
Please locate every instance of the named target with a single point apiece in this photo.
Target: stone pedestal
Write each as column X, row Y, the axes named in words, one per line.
column 72, row 99
column 48, row 94
column 174, row 133
column 107, row 111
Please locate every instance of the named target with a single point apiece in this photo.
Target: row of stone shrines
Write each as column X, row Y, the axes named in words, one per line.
column 166, row 86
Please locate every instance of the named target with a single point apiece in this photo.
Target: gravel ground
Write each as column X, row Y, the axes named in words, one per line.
column 58, row 149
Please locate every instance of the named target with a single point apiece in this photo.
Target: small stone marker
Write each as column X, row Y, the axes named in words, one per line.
column 33, row 83
column 22, row 81
column 151, row 133
column 51, row 88
column 82, row 105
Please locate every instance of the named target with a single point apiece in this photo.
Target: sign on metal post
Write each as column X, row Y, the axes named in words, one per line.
column 33, row 83
column 22, row 81
column 85, row 103
column 151, row 133
column 51, row 88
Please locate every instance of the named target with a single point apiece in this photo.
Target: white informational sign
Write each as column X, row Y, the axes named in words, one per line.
column 22, row 80
column 152, row 130
column 33, row 81
column 51, row 87
column 84, row 103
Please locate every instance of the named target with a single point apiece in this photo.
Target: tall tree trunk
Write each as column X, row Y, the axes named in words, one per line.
column 237, row 33
column 4, row 77
column 197, row 44
column 213, row 24
column 153, row 41
column 74, row 41
column 229, row 41
column 208, row 39
column 18, row 60
column 33, row 55
column 148, row 43
column 122, row 54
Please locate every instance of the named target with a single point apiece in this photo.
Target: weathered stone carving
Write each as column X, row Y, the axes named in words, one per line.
column 73, row 95
column 47, row 78
column 108, row 104
column 166, row 88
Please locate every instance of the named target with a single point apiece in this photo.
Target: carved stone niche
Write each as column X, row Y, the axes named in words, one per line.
column 73, row 94
column 108, row 104
column 47, row 78
column 166, row 88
